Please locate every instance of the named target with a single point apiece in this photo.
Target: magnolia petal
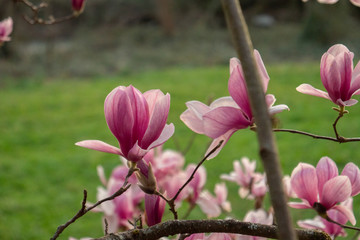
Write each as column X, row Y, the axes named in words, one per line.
column 238, row 91
column 234, row 63
column 219, row 236
column 101, row 174
column 336, row 190
column 220, row 120
column 278, row 108
column 208, row 204
column 154, row 208
column 355, row 2
column 136, row 153
column 157, row 121
column 310, row 90
column 152, row 96
column 270, row 100
column 262, row 70
column 108, row 206
column 353, row 172
column 331, row 76
column 99, row 146
column 196, row 236
column 299, row 205
column 326, row 169
column 312, row 224
column 166, row 133
column 224, row 102
column 347, row 103
column 193, row 116
column 355, row 82
column 119, row 117
column 304, row 182
column 225, row 138
column 347, row 212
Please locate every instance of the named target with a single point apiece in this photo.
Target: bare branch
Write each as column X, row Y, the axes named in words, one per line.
column 267, row 145
column 202, row 226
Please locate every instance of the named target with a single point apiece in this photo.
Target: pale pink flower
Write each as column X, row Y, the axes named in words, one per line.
column 338, row 76
column 197, row 184
column 287, row 187
column 355, row 2
column 154, row 208
column 332, row 229
column 137, row 120
column 211, row 205
column 219, row 236
column 256, row 216
column 245, row 176
column 226, row 115
column 196, row 236
column 6, row 27
column 322, row 188
column 78, row 6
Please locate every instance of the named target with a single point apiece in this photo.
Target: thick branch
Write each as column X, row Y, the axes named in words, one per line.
column 199, row 226
column 268, row 149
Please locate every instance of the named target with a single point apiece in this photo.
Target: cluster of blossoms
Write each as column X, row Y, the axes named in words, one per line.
column 138, row 121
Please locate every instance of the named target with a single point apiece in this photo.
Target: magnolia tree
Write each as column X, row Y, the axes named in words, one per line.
column 152, row 179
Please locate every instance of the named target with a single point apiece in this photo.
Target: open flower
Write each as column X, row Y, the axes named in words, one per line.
column 6, row 27
column 339, row 78
column 137, row 120
column 332, row 229
column 322, row 188
column 256, row 216
column 226, row 115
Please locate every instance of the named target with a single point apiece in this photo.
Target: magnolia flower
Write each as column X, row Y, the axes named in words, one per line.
column 6, row 27
column 256, row 216
column 226, row 115
column 211, row 205
column 137, row 120
column 154, row 208
column 355, row 2
column 322, row 188
column 339, row 78
column 78, row 6
column 332, row 229
column 212, row 236
column 245, row 176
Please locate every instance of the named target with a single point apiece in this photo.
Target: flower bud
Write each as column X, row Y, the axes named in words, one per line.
column 78, row 6
column 147, row 184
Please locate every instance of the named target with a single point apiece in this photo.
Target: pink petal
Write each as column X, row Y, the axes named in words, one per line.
column 157, row 121
column 154, row 208
column 222, row 119
column 99, row 146
column 262, row 70
column 304, row 182
column 348, row 213
column 225, row 138
column 208, row 205
column 355, row 2
column 299, row 205
column 196, row 236
column 336, row 190
column 166, row 133
column 234, row 63
column 347, row 103
column 278, row 108
column 310, row 90
column 331, row 74
column 193, row 116
column 152, row 96
column 326, row 169
column 238, row 91
column 119, row 117
column 270, row 100
column 221, row 192
column 355, row 83
column 353, row 172
column 218, row 236
column 223, row 102
column 328, row 1
column 136, row 153
column 312, row 224
column 101, row 174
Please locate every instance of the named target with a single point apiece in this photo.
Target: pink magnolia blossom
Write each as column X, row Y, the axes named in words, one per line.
column 6, row 27
column 226, row 115
column 322, row 187
column 332, row 229
column 211, row 205
column 78, row 6
column 355, row 2
column 212, row 236
column 137, row 120
column 245, row 176
column 154, row 208
column 338, row 76
column 256, row 216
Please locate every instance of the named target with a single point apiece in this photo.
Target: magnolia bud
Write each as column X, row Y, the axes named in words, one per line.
column 147, row 184
column 78, row 6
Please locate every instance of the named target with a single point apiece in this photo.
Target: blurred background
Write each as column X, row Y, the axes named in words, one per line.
column 54, row 79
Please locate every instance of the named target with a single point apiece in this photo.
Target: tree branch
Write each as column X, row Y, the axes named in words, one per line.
column 268, row 149
column 202, row 226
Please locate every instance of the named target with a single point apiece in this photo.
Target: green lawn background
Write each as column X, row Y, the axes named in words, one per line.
column 43, row 174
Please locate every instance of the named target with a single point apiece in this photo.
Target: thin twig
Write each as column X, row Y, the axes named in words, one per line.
column 267, row 147
column 341, row 225
column 85, row 210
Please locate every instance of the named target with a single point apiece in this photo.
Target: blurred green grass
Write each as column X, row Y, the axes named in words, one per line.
column 42, row 172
